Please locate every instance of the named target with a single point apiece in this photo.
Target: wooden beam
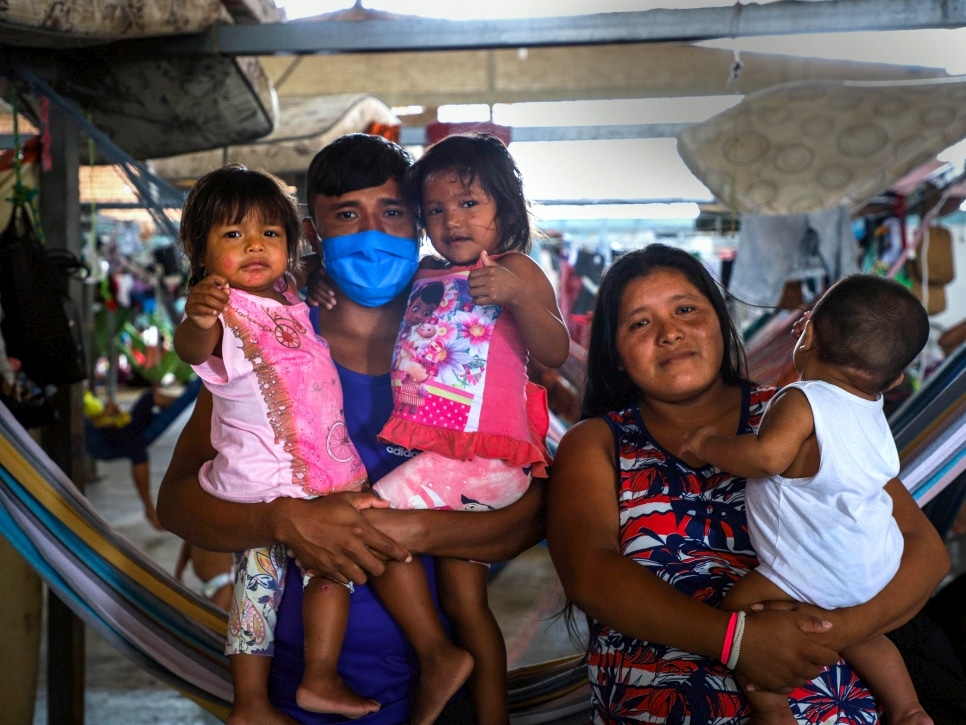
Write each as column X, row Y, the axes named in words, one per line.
column 556, row 74
column 63, row 440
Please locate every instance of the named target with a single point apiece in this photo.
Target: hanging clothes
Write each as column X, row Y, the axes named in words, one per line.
column 773, row 249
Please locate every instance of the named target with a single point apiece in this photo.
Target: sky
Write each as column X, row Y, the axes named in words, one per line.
column 559, row 170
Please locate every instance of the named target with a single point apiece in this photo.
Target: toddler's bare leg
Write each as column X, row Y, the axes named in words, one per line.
column 249, row 675
column 443, row 667
column 462, row 592
column 325, row 613
column 879, row 663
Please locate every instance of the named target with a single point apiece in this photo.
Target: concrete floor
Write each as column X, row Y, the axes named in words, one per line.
column 525, row 596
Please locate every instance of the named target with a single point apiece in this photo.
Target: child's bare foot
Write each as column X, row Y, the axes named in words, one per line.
column 331, row 695
column 915, row 715
column 262, row 713
column 440, row 676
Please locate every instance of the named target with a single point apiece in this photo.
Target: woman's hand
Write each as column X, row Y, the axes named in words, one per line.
column 781, row 650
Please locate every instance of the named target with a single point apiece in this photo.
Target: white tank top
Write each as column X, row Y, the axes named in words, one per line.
column 830, row 540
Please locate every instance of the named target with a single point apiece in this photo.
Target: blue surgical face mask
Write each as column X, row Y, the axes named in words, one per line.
column 371, row 267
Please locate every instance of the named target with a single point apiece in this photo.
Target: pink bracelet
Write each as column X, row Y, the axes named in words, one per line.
column 736, row 642
column 729, row 637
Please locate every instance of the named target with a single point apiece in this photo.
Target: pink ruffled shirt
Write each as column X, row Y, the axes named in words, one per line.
column 277, row 419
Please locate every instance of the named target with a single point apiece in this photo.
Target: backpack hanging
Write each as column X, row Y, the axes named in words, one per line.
column 41, row 324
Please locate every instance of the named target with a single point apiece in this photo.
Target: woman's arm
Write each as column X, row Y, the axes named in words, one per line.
column 925, row 561
column 327, row 535
column 582, row 532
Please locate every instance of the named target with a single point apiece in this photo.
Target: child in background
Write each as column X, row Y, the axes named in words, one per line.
column 278, row 428
column 818, row 515
column 459, row 374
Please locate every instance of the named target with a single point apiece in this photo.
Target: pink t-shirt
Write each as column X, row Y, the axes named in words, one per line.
column 277, row 419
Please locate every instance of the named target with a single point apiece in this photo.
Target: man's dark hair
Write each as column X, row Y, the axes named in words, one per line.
column 872, row 326
column 353, row 162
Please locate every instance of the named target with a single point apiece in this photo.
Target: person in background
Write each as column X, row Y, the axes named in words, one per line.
column 214, row 570
column 647, row 539
column 111, row 433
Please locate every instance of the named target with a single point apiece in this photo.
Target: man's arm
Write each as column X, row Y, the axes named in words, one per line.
column 327, row 534
column 479, row 535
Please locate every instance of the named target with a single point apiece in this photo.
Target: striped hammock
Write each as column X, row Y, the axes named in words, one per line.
column 178, row 637
column 153, row 619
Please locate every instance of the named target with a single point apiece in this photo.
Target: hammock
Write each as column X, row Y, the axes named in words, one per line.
column 178, row 637
column 150, row 617
column 930, row 433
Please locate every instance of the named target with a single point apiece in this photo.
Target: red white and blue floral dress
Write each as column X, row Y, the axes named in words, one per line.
column 688, row 527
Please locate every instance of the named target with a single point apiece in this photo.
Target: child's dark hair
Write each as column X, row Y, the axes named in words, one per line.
column 483, row 158
column 871, row 325
column 226, row 196
column 353, row 162
column 608, row 387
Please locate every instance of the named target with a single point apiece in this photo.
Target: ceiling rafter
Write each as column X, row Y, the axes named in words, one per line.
column 407, row 33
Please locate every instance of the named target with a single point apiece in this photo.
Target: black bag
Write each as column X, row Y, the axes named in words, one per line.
column 41, row 324
column 27, row 402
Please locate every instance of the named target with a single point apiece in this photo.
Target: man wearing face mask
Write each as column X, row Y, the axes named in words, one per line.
column 366, row 228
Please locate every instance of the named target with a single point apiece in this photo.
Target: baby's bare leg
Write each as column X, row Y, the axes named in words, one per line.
column 325, row 613
column 462, row 592
column 879, row 663
column 443, row 667
column 768, row 708
column 249, row 676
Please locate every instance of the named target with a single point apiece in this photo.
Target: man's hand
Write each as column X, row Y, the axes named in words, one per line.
column 328, row 536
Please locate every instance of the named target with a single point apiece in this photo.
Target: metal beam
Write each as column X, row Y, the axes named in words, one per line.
column 785, row 17
column 416, row 135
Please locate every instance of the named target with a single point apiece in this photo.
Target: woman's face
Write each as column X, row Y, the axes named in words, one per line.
column 668, row 337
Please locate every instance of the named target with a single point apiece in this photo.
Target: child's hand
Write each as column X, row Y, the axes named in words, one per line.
column 320, row 292
column 206, row 301
column 493, row 284
column 694, row 439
